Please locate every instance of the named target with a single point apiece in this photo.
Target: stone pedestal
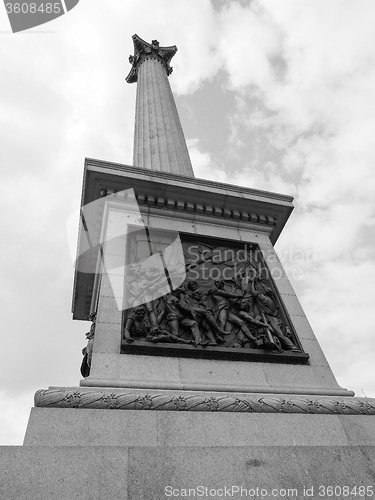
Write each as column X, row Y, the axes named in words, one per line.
column 84, row 453
column 198, row 420
column 196, row 209
column 117, row 417
column 147, row 472
column 154, row 426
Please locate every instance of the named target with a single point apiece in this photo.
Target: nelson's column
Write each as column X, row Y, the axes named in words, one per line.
column 201, row 369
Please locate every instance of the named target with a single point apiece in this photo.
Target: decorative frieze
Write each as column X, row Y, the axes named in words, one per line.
column 126, row 400
column 199, row 208
column 223, row 303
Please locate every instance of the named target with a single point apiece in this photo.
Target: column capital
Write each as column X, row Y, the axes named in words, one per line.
column 144, row 50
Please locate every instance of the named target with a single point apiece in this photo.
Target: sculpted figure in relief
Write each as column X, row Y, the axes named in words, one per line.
column 203, row 314
column 264, row 299
column 144, row 284
column 87, row 351
column 224, row 309
column 158, row 334
column 137, row 325
column 178, row 315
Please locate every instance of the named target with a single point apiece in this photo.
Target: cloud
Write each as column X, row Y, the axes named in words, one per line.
column 14, row 416
column 302, row 124
column 247, row 44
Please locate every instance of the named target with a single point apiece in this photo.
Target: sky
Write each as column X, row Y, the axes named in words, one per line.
column 272, row 94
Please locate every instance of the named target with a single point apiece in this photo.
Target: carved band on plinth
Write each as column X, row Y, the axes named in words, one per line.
column 101, row 400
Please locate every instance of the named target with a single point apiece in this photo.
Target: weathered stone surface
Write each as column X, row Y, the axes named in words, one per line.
column 149, row 472
column 312, row 346
column 302, row 327
column 108, row 311
column 292, row 304
column 107, row 338
column 125, row 370
column 55, row 473
column 273, row 470
column 154, row 427
column 73, row 427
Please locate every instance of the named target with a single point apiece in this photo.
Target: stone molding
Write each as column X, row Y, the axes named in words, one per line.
column 208, row 210
column 178, row 401
column 227, row 189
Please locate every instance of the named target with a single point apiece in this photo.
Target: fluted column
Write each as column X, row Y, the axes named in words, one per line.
column 159, row 142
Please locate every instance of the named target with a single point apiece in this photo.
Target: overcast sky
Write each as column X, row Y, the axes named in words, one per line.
column 272, row 94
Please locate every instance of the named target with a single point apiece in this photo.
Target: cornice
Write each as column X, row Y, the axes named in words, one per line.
column 192, row 181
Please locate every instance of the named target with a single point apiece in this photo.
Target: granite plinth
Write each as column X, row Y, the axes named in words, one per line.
column 85, row 453
column 149, row 472
column 140, row 454
column 87, row 427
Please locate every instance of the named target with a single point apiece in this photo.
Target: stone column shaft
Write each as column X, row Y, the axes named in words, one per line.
column 159, row 142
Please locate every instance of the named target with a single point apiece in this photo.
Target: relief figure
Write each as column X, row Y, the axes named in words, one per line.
column 223, row 301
